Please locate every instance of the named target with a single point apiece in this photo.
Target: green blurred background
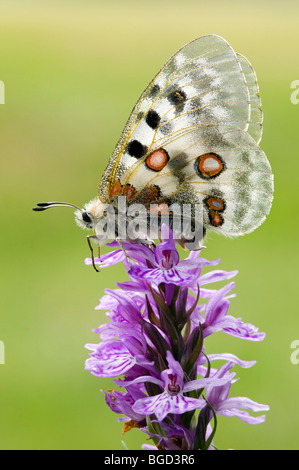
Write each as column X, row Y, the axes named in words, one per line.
column 73, row 71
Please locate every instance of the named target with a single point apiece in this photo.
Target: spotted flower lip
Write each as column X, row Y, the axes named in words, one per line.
column 172, row 399
column 154, row 346
column 166, row 266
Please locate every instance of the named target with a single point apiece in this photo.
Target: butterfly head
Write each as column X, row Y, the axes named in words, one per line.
column 86, row 218
column 91, row 214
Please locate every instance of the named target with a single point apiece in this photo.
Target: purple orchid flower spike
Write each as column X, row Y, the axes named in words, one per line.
column 154, row 346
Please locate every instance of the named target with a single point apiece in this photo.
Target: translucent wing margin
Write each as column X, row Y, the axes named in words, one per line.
column 255, row 128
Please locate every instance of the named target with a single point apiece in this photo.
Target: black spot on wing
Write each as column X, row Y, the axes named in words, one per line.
column 177, row 98
column 154, row 91
column 165, row 128
column 139, row 116
column 136, row 149
column 178, row 162
column 152, row 119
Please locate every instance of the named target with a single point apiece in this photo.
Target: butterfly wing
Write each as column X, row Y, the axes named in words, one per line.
column 202, row 83
column 229, row 176
column 192, row 138
column 255, row 128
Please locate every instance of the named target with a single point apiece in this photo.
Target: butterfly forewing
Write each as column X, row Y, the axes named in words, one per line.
column 192, row 138
column 201, row 84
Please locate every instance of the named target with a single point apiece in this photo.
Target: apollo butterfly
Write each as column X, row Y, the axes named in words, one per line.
column 192, row 138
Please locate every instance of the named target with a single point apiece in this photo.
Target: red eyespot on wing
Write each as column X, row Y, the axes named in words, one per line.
column 209, row 165
column 215, row 203
column 149, row 194
column 116, row 190
column 157, row 160
column 129, row 192
column 215, row 218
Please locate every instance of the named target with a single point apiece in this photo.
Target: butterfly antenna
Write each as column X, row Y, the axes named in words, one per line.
column 42, row 206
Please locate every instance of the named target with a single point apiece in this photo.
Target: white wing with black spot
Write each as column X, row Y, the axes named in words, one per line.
column 202, row 85
column 192, row 138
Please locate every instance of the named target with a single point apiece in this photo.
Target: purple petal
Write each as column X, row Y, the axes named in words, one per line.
column 235, row 327
column 158, row 276
column 162, row 405
column 191, row 263
column 226, row 357
column 242, row 402
column 195, row 255
column 111, row 359
column 167, row 235
column 203, row 383
column 216, row 276
column 125, row 331
column 138, row 286
column 166, row 256
column 208, row 293
column 108, row 259
column 122, row 403
column 141, row 253
column 174, row 365
column 128, row 308
column 216, row 395
column 217, row 308
column 244, row 416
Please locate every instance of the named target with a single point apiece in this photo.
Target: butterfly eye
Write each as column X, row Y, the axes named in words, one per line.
column 86, row 217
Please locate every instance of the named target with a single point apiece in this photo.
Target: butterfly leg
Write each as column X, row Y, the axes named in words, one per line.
column 88, row 238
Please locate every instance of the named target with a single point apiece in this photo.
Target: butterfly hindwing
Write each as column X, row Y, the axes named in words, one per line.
column 230, row 178
column 234, row 183
column 255, row 128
